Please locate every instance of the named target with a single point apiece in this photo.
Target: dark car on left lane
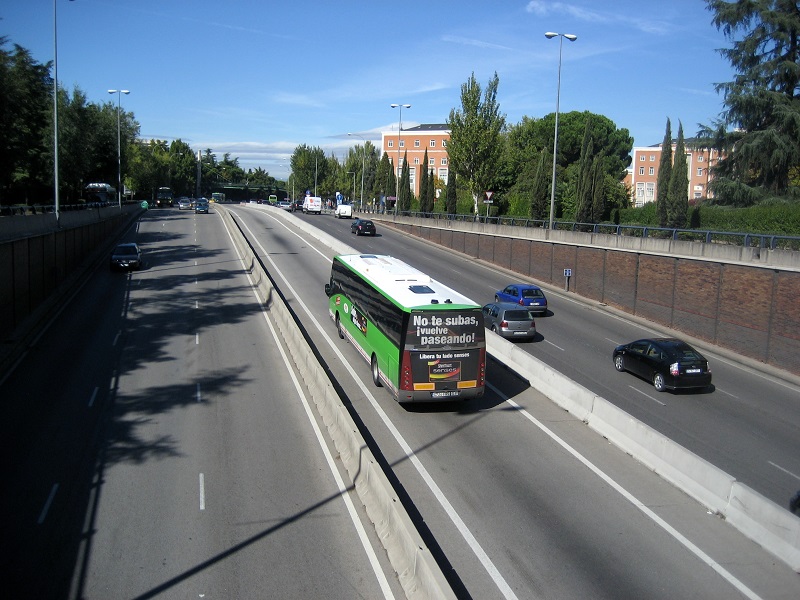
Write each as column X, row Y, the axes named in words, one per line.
column 667, row 363
column 126, row 257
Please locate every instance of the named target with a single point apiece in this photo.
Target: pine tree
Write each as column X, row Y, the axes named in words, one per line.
column 678, row 195
column 664, row 177
column 762, row 148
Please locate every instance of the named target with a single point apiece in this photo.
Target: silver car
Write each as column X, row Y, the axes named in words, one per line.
column 510, row 320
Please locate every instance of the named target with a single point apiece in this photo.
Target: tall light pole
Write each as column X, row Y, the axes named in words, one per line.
column 399, row 132
column 571, row 38
column 119, row 144
column 363, row 162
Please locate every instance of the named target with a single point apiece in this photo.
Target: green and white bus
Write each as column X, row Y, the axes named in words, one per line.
column 424, row 341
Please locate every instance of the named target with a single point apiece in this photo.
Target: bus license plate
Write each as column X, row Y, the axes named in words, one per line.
column 447, row 394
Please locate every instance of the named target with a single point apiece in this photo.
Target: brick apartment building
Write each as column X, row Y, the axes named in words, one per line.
column 415, row 140
column 642, row 176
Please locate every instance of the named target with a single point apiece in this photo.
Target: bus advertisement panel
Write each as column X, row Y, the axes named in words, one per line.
column 422, row 340
column 444, row 349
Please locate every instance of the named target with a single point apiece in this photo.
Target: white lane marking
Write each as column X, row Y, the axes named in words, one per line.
column 342, row 488
column 554, row 346
column 646, row 395
column 116, row 338
column 196, row 339
column 197, row 394
column 94, row 396
column 741, row 587
column 717, row 389
column 197, row 304
column 780, row 468
column 46, row 508
column 202, row 493
column 469, row 538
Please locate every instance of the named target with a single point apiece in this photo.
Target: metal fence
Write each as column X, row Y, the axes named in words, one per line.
column 734, row 238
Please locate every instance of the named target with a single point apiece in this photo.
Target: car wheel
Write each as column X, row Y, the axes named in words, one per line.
column 619, row 363
column 339, row 327
column 658, row 382
column 376, row 376
column 494, row 328
column 496, row 299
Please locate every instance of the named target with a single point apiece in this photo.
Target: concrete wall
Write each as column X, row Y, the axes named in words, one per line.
column 33, row 267
column 744, row 299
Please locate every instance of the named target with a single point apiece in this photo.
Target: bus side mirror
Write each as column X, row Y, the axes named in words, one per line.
column 328, row 290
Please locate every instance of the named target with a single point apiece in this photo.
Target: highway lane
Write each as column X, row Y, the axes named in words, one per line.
column 158, row 445
column 749, row 425
column 521, row 499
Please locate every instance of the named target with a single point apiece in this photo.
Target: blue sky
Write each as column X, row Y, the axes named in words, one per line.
column 256, row 78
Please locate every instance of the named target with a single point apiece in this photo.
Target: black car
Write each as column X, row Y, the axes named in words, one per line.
column 362, row 227
column 668, row 363
column 126, row 257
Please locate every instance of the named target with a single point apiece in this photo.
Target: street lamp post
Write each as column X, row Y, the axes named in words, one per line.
column 363, row 162
column 399, row 132
column 571, row 38
column 119, row 144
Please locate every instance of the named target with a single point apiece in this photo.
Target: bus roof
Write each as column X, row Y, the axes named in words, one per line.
column 405, row 285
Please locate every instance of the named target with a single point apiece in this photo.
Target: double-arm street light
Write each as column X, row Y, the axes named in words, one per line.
column 399, row 132
column 363, row 162
column 119, row 145
column 571, row 38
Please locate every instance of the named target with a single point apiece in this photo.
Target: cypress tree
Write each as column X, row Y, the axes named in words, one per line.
column 404, row 193
column 540, row 198
column 450, row 194
column 664, row 176
column 423, row 184
column 678, row 196
column 431, row 192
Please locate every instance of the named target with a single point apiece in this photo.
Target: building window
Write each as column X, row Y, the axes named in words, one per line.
column 641, row 170
column 700, row 158
column 391, row 144
column 416, row 143
column 433, row 143
column 443, row 175
column 699, row 171
column 652, row 171
column 412, row 176
column 652, row 158
column 444, row 162
column 641, row 158
column 431, row 162
column 402, row 143
column 444, row 143
column 651, row 191
column 416, row 160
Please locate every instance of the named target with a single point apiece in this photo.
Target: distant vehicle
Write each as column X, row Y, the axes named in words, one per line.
column 126, row 257
column 164, row 197
column 343, row 211
column 510, row 320
column 524, row 294
column 668, row 363
column 312, row 204
column 297, row 205
column 273, row 200
column 217, row 197
column 423, row 341
column 184, row 203
column 201, row 206
column 100, row 193
column 363, row 227
column 285, row 205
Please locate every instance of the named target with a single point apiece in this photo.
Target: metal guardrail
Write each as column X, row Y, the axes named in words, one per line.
column 734, row 238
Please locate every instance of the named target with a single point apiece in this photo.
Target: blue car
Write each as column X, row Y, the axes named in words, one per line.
column 524, row 294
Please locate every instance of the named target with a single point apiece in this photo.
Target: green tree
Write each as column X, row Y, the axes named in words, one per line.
column 585, row 177
column 475, row 147
column 664, row 176
column 451, row 194
column 762, row 105
column 678, row 195
column 425, row 191
column 404, row 193
column 309, row 168
column 431, row 193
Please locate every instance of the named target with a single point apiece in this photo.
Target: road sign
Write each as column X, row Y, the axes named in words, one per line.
column 144, row 204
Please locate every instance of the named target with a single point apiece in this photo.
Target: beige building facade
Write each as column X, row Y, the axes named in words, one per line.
column 415, row 141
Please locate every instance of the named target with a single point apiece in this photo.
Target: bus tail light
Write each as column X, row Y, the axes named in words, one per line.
column 482, row 368
column 406, row 381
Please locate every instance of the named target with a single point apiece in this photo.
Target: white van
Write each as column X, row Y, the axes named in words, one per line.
column 343, row 211
column 312, row 204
